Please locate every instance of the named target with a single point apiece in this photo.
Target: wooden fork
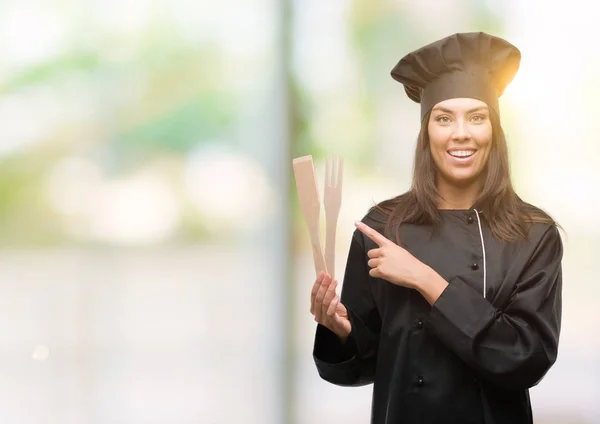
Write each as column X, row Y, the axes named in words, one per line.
column 334, row 167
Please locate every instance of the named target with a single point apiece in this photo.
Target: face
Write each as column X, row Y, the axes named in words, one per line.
column 460, row 137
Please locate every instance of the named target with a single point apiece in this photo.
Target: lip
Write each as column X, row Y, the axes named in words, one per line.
column 461, row 161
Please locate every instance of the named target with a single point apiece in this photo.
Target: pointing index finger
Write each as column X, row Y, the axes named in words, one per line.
column 371, row 233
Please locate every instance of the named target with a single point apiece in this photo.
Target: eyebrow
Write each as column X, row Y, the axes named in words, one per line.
column 443, row 109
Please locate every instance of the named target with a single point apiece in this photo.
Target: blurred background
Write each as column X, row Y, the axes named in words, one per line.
column 154, row 264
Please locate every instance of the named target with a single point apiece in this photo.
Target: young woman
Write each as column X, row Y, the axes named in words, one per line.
column 451, row 298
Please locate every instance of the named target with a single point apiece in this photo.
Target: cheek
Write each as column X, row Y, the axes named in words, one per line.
column 483, row 139
column 437, row 140
column 483, row 136
column 438, row 151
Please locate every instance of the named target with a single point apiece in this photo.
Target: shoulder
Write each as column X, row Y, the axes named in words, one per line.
column 539, row 224
column 545, row 236
column 377, row 217
column 380, row 213
column 542, row 253
column 534, row 214
column 543, row 247
column 374, row 218
column 543, row 233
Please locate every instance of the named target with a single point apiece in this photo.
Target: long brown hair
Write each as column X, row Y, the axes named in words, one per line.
column 507, row 215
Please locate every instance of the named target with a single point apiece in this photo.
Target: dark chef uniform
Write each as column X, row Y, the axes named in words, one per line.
column 469, row 358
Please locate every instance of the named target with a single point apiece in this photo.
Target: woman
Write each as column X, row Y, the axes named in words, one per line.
column 451, row 298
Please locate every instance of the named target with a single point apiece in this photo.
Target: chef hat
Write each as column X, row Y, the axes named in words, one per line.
column 474, row 65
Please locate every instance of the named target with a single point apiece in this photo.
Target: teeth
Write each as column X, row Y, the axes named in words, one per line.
column 462, row 153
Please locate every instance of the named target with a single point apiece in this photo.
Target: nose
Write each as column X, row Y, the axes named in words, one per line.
column 461, row 132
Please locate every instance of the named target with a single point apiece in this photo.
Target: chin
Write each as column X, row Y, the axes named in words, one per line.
column 463, row 179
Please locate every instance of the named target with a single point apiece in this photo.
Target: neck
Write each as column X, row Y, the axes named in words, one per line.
column 452, row 196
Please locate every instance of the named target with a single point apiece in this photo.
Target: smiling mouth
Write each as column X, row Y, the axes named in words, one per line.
column 461, row 154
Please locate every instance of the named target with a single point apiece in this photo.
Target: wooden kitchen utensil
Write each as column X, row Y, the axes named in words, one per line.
column 308, row 195
column 334, row 167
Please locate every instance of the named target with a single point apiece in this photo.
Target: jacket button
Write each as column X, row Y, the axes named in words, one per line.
column 474, row 267
column 475, row 380
column 420, row 381
column 420, row 324
column 470, row 219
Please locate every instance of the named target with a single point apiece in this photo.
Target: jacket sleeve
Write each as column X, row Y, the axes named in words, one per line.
column 515, row 347
column 351, row 363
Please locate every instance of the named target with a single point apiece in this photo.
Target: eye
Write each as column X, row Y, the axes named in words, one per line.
column 477, row 118
column 443, row 119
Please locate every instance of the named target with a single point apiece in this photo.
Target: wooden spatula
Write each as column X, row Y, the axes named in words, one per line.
column 308, row 195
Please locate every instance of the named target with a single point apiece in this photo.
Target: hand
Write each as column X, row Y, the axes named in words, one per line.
column 326, row 307
column 393, row 263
